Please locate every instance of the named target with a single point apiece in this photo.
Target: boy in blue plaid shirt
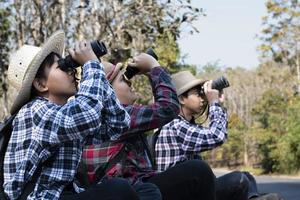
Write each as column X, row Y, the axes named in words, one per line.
column 49, row 131
column 183, row 139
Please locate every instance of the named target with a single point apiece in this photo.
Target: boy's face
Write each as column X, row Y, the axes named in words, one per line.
column 194, row 102
column 124, row 89
column 60, row 84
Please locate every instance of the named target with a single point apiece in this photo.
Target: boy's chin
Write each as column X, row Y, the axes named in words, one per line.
column 133, row 100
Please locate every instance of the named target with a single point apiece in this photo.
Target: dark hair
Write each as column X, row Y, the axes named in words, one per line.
column 47, row 62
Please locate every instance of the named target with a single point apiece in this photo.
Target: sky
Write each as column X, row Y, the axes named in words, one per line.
column 227, row 33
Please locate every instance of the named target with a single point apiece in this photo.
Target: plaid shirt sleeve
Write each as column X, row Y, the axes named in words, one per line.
column 165, row 106
column 94, row 104
column 197, row 138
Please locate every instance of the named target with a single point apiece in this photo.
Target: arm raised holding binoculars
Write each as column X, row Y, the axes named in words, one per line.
column 82, row 52
column 144, row 63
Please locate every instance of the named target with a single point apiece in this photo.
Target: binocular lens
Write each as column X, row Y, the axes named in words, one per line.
column 220, row 83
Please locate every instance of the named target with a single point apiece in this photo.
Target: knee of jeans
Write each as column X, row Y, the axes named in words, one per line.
column 199, row 168
column 239, row 178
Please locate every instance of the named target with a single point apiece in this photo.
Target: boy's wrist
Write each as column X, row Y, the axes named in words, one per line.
column 91, row 62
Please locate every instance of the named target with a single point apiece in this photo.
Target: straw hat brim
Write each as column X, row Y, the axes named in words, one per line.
column 54, row 44
column 189, row 86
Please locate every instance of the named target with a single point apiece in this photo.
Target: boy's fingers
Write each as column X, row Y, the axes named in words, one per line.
column 132, row 64
column 205, row 86
column 119, row 65
column 135, row 59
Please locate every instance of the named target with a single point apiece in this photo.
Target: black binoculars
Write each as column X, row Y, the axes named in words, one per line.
column 132, row 71
column 218, row 84
column 67, row 63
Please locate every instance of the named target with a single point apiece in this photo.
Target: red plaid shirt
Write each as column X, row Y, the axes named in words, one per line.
column 136, row 164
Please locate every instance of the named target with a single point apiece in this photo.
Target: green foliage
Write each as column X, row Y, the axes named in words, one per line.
column 271, row 110
column 230, row 154
column 233, row 149
column 280, row 35
column 4, row 51
column 210, row 68
column 167, row 50
column 277, row 112
column 126, row 27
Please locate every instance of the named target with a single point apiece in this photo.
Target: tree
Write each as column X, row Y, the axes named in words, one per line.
column 126, row 26
column 277, row 112
column 123, row 24
column 4, row 50
column 281, row 34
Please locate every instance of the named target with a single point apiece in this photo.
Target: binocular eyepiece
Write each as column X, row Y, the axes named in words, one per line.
column 67, row 63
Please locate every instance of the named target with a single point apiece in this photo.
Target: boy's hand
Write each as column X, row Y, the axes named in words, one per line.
column 212, row 95
column 82, row 52
column 144, row 63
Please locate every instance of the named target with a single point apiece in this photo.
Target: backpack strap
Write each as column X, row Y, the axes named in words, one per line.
column 82, row 175
column 5, row 133
column 152, row 139
column 101, row 171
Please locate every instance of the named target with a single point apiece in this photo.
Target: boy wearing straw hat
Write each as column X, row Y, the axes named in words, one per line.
column 191, row 180
column 188, row 138
column 49, row 131
column 182, row 139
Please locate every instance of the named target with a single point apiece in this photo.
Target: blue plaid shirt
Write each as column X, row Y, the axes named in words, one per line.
column 181, row 140
column 50, row 135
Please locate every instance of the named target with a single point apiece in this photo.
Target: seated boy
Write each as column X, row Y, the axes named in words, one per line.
column 183, row 139
column 191, row 180
column 49, row 131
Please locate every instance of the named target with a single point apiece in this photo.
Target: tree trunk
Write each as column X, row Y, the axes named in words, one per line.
column 246, row 159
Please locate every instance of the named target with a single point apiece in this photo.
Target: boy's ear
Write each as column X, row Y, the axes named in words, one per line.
column 181, row 100
column 40, row 85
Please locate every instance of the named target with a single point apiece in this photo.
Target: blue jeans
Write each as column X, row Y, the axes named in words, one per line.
column 236, row 186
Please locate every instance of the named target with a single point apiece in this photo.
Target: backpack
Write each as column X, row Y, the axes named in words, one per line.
column 152, row 139
column 5, row 133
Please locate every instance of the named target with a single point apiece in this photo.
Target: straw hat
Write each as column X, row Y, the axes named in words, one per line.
column 184, row 81
column 25, row 63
